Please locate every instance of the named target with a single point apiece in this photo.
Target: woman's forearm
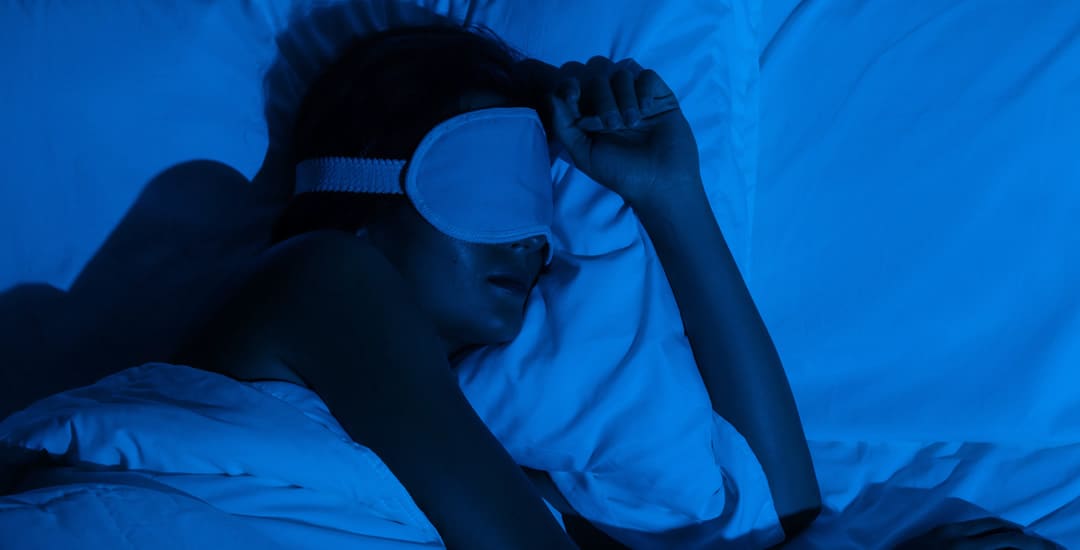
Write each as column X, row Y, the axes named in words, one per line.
column 734, row 352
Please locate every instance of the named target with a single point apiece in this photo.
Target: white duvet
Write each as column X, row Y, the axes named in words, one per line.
column 166, row 456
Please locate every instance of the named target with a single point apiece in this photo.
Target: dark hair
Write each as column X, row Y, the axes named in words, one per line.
column 379, row 100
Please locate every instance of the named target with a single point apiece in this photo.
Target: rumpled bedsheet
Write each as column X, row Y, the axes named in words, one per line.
column 166, row 456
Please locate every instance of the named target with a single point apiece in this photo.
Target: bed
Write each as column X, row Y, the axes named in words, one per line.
column 914, row 253
column 859, row 157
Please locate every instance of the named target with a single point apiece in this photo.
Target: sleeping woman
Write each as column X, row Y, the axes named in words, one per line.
column 383, row 274
column 419, row 226
column 421, row 222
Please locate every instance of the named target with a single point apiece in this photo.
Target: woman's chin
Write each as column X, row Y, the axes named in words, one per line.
column 502, row 329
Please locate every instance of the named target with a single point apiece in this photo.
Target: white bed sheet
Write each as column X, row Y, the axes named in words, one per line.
column 914, row 252
column 914, row 226
column 879, row 493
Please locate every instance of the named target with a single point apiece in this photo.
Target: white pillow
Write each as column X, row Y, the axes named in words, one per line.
column 102, row 98
column 601, row 388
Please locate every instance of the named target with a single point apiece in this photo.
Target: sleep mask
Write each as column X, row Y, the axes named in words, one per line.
column 480, row 177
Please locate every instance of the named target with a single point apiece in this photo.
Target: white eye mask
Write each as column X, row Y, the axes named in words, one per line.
column 481, row 177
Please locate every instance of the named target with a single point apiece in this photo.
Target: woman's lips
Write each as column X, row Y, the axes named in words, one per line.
column 509, row 284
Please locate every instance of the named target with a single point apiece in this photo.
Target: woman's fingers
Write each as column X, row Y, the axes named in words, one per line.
column 614, row 96
column 655, row 96
column 577, row 73
column 570, row 92
column 599, row 98
column 623, row 87
column 565, row 117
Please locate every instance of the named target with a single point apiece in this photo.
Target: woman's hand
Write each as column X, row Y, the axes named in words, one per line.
column 979, row 534
column 622, row 126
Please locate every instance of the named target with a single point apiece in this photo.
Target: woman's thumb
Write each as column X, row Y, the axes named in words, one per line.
column 566, row 130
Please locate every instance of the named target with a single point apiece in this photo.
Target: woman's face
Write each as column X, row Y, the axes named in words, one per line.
column 452, row 278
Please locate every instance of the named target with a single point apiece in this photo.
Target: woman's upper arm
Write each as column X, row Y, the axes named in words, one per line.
column 340, row 317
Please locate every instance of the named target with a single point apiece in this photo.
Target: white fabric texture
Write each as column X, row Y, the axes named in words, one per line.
column 914, row 256
column 914, row 229
column 243, row 465
column 106, row 97
column 880, row 493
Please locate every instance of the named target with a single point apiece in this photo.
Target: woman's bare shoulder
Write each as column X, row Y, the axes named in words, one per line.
column 318, row 253
column 273, row 302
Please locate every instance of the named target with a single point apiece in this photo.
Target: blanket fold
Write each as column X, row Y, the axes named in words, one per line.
column 170, row 453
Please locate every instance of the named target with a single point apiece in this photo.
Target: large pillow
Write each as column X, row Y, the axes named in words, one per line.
column 601, row 388
column 141, row 168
